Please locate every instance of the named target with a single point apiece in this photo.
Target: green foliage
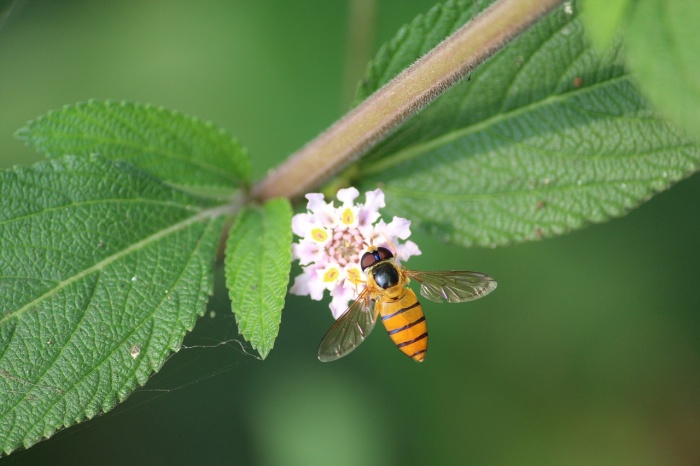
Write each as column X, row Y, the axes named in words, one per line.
column 258, row 260
column 547, row 136
column 108, row 249
column 662, row 44
column 176, row 148
column 604, row 20
column 104, row 269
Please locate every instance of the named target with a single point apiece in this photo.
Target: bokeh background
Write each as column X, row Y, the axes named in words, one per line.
column 587, row 354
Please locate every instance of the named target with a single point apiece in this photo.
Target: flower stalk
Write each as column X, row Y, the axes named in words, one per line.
column 407, row 93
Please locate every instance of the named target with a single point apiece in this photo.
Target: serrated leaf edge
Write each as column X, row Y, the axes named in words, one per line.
column 240, row 177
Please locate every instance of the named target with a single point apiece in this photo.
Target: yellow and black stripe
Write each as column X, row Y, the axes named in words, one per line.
column 404, row 321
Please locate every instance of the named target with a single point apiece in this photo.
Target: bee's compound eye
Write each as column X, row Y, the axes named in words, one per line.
column 373, row 256
column 384, row 253
column 368, row 260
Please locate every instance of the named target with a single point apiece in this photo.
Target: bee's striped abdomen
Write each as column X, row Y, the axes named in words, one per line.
column 405, row 322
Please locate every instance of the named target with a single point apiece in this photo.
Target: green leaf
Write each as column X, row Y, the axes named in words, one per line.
column 258, row 260
column 176, row 148
column 103, row 269
column 605, row 20
column 546, row 137
column 662, row 43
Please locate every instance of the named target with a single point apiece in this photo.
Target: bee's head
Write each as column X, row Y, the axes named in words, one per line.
column 374, row 255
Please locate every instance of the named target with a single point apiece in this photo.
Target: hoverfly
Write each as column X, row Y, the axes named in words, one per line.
column 388, row 295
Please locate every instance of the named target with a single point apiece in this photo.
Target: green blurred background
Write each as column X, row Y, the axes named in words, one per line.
column 587, row 354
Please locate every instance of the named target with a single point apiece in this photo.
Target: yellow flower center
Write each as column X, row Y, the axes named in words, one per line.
column 331, row 275
column 319, row 234
column 348, row 217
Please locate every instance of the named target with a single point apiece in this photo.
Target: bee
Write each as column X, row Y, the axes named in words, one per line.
column 387, row 295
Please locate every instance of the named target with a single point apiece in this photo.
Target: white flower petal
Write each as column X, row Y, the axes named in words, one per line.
column 309, row 283
column 407, row 249
column 369, row 212
column 374, row 200
column 375, row 235
column 316, row 289
column 342, row 297
column 301, row 285
column 316, row 285
column 347, row 217
column 316, row 202
column 331, row 275
column 322, row 212
column 302, row 224
column 306, row 252
column 347, row 196
column 398, row 228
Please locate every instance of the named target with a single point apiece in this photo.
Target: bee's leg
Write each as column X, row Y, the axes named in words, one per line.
column 356, row 279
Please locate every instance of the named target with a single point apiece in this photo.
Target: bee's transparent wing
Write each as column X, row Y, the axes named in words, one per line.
column 453, row 286
column 349, row 330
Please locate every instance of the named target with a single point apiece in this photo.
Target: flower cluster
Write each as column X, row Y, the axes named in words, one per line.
column 333, row 240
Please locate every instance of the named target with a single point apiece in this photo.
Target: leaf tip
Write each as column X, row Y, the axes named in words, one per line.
column 263, row 351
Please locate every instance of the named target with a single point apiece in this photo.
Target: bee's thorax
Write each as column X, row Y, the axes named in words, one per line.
column 385, row 274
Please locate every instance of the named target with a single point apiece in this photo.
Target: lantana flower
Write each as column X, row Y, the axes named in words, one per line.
column 333, row 240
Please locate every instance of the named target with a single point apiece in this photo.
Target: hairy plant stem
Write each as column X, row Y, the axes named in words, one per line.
column 410, row 91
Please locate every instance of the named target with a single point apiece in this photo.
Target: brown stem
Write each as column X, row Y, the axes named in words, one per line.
column 410, row 91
